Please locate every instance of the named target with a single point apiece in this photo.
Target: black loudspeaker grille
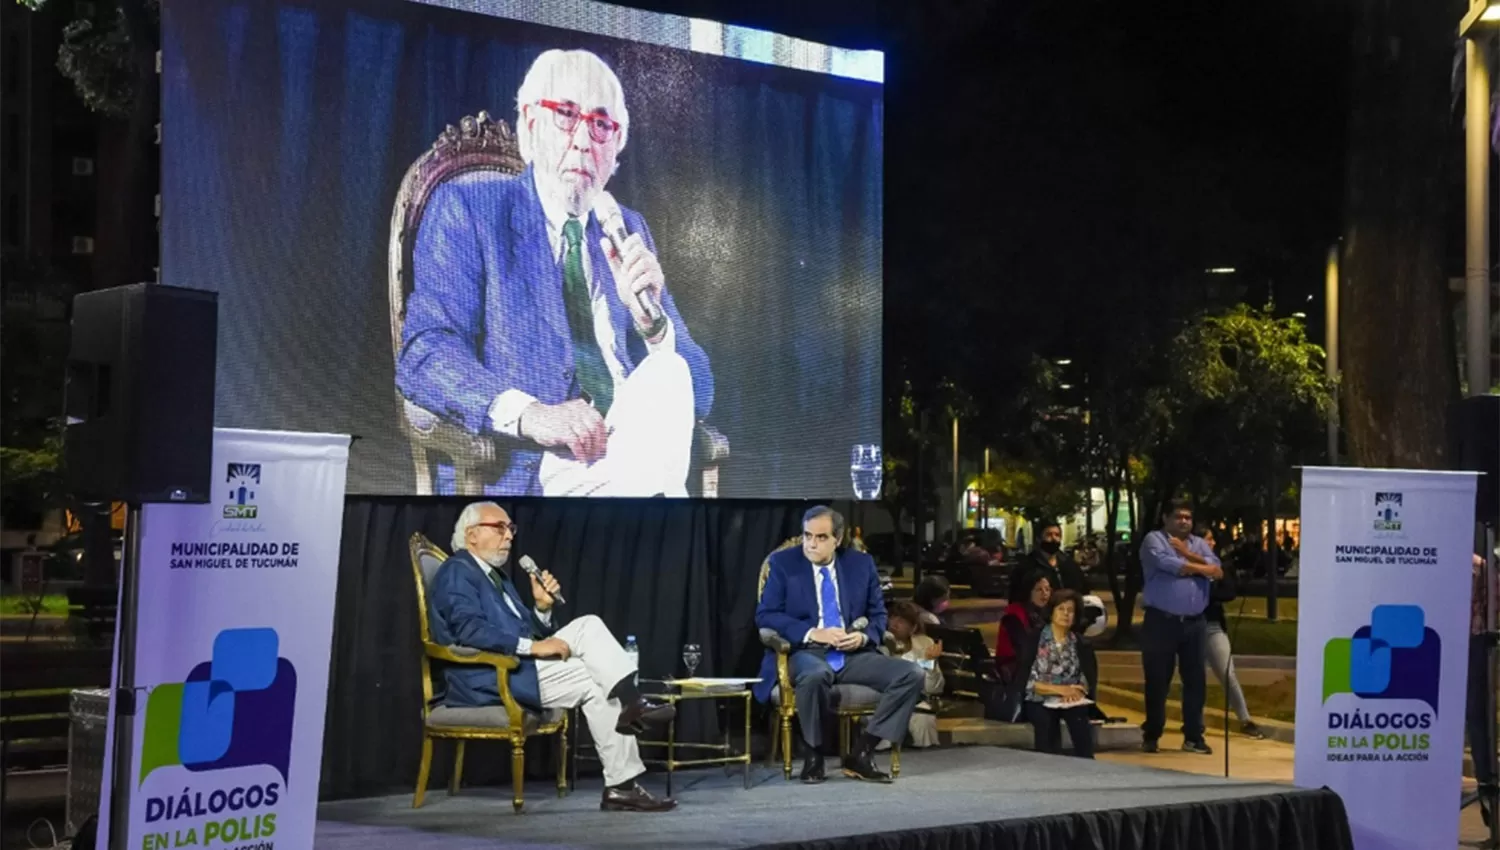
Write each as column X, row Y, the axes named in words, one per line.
column 140, row 394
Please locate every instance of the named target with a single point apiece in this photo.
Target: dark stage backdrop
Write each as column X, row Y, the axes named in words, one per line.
column 670, row 572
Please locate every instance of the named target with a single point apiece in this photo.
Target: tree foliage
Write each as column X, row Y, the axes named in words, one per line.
column 97, row 54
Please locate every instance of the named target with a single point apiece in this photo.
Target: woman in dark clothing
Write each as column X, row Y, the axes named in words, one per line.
column 1021, row 621
column 1016, row 647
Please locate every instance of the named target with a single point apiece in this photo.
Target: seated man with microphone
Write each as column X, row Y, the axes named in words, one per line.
column 474, row 602
column 814, row 598
column 540, row 315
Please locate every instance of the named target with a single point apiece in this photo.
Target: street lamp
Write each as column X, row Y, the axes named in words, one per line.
column 1477, row 28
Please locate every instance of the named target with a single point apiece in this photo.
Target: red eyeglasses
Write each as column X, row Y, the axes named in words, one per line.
column 502, row 527
column 566, row 116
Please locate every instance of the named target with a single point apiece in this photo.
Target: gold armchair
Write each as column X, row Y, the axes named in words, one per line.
column 478, row 143
column 507, row 722
column 851, row 702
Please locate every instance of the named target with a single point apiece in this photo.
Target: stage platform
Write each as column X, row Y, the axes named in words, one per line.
column 963, row 798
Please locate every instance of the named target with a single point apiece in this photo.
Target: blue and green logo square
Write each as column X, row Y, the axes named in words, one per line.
column 232, row 711
column 1395, row 657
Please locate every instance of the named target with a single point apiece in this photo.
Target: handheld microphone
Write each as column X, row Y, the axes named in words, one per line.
column 531, row 569
column 612, row 221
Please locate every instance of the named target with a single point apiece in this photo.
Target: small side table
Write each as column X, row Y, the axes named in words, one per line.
column 682, row 690
column 677, row 691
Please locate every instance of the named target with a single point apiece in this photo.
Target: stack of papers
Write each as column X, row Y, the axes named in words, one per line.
column 1058, row 702
column 703, row 683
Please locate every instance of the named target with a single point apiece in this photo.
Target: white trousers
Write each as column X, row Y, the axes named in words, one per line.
column 650, row 446
column 597, row 664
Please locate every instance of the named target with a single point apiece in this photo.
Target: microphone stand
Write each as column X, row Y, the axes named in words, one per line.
column 1229, row 671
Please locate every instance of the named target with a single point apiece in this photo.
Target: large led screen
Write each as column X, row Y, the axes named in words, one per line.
column 533, row 248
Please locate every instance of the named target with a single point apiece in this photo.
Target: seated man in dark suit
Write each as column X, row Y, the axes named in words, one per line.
column 473, row 602
column 811, row 596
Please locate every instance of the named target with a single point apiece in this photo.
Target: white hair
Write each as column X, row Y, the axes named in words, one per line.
column 467, row 520
column 555, row 63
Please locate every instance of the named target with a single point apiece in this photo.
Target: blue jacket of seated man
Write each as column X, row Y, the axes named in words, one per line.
column 789, row 603
column 464, row 608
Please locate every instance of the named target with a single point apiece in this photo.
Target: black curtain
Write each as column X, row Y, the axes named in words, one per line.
column 669, row 572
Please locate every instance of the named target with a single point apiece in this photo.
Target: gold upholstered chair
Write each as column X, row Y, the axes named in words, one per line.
column 852, row 703
column 477, row 143
column 507, row 722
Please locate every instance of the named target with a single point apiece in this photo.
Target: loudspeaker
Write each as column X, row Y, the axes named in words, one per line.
column 140, row 394
column 1476, row 426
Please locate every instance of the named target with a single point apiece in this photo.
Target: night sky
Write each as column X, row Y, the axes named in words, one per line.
column 1044, row 158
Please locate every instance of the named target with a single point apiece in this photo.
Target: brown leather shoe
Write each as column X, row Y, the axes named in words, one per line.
column 634, row 798
column 634, row 717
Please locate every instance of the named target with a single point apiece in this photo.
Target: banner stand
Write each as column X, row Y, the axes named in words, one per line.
column 123, row 695
column 1383, row 648
column 220, row 680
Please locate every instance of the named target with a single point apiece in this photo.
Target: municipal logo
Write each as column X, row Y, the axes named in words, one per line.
column 243, row 480
column 234, row 710
column 1388, row 512
column 1397, row 656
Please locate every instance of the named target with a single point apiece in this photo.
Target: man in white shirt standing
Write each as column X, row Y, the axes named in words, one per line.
column 474, row 602
column 540, row 315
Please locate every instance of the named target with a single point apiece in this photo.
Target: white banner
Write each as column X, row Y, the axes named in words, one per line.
column 233, row 633
column 1382, row 646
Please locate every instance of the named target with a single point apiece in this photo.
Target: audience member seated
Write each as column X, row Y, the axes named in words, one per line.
column 908, row 642
column 932, row 596
column 1015, row 647
column 1056, row 680
column 1021, row 623
column 813, row 598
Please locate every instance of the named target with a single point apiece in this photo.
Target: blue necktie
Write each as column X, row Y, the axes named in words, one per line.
column 828, row 595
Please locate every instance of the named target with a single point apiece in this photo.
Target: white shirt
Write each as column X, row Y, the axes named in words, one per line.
column 523, row 645
column 505, row 410
column 833, row 576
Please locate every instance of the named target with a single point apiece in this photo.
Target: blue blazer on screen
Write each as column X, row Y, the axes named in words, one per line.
column 789, row 603
column 487, row 314
column 464, row 608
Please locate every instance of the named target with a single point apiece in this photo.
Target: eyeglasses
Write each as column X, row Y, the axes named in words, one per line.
column 566, row 116
column 509, row 528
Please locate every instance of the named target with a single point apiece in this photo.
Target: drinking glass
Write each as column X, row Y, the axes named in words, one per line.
column 691, row 655
column 866, row 464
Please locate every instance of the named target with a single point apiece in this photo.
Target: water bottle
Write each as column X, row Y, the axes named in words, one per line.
column 634, row 653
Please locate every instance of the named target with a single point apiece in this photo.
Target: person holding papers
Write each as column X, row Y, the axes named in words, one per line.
column 1057, row 692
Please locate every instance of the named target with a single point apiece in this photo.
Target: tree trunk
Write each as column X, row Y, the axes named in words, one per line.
column 1398, row 358
column 126, row 236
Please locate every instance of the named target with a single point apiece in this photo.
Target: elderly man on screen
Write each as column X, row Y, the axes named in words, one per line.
column 1178, row 568
column 540, row 314
column 475, row 602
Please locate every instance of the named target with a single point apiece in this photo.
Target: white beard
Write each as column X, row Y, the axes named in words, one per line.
column 495, row 560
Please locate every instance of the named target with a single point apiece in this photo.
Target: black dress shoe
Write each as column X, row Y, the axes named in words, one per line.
column 634, row 717
column 862, row 766
column 812, row 768
column 633, row 798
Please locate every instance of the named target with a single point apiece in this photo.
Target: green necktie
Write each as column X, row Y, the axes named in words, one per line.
column 593, row 375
